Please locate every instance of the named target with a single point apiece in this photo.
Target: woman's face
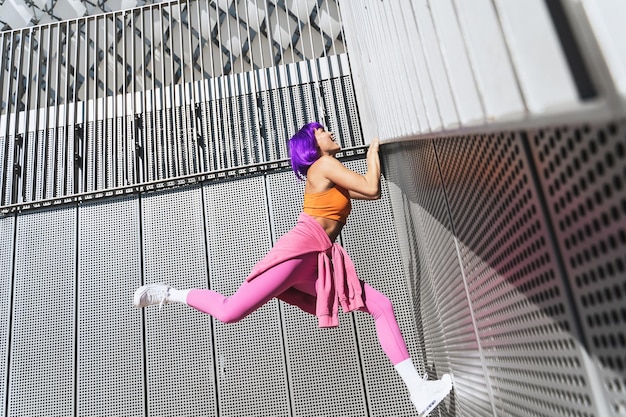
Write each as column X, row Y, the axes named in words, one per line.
column 326, row 142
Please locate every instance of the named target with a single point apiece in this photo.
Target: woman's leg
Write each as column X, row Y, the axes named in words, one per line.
column 253, row 294
column 302, row 294
column 294, row 282
column 425, row 395
column 387, row 329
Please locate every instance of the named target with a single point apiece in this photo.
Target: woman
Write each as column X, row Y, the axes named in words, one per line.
column 307, row 269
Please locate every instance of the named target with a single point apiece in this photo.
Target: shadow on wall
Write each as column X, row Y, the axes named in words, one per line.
column 515, row 242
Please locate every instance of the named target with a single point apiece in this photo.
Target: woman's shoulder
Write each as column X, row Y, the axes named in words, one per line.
column 318, row 175
column 328, row 167
column 325, row 162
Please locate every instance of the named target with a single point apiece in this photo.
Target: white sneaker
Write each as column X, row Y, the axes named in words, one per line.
column 430, row 394
column 151, row 294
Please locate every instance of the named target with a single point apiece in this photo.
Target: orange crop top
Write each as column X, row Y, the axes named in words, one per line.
column 333, row 204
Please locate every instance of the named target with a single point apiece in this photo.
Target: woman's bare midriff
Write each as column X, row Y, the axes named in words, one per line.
column 332, row 227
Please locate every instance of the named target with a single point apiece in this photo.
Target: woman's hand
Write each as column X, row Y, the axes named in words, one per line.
column 373, row 149
column 373, row 160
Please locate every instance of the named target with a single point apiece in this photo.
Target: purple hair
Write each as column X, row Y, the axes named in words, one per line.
column 303, row 149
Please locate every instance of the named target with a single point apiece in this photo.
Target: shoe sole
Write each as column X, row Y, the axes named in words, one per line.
column 440, row 396
column 137, row 297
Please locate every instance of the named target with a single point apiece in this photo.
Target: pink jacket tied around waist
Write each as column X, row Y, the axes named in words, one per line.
column 337, row 280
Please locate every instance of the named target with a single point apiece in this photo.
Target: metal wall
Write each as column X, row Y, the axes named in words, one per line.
column 477, row 65
column 502, row 244
column 503, row 142
column 170, row 90
column 516, row 241
column 72, row 344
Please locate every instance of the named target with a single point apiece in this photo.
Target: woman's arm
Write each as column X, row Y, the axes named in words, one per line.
column 363, row 187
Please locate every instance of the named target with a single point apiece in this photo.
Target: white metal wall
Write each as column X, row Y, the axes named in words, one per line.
column 74, row 345
column 428, row 66
column 515, row 241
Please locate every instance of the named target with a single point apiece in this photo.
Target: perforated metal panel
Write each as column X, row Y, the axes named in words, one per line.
column 522, row 313
column 250, row 361
column 109, row 368
column 445, row 329
column 323, row 363
column 7, row 231
column 583, row 177
column 179, row 341
column 43, row 333
column 371, row 240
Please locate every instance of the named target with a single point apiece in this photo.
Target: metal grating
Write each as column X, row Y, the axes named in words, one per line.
column 109, row 332
column 42, row 351
column 277, row 131
column 448, row 339
column 234, row 129
column 157, row 92
column 251, row 368
column 583, row 176
column 317, row 358
column 180, row 373
column 341, row 110
column 523, row 317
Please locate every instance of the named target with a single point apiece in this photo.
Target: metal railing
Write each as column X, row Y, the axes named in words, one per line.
column 166, row 91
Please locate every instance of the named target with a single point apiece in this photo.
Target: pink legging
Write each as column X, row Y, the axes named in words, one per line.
column 293, row 281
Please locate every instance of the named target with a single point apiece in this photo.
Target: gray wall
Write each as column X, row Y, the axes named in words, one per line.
column 515, row 243
column 72, row 344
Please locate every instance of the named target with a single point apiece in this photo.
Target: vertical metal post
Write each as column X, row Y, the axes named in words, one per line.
column 13, row 110
column 38, row 161
column 192, row 130
column 58, row 144
column 5, row 171
column 78, row 128
column 96, row 124
column 220, row 132
column 228, row 96
column 155, row 133
column 262, row 129
column 122, row 118
column 115, row 116
column 65, row 102
column 138, row 115
column 25, row 72
column 180, row 111
column 200, row 109
column 252, row 88
column 86, row 105
column 170, row 104
column 212, row 143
